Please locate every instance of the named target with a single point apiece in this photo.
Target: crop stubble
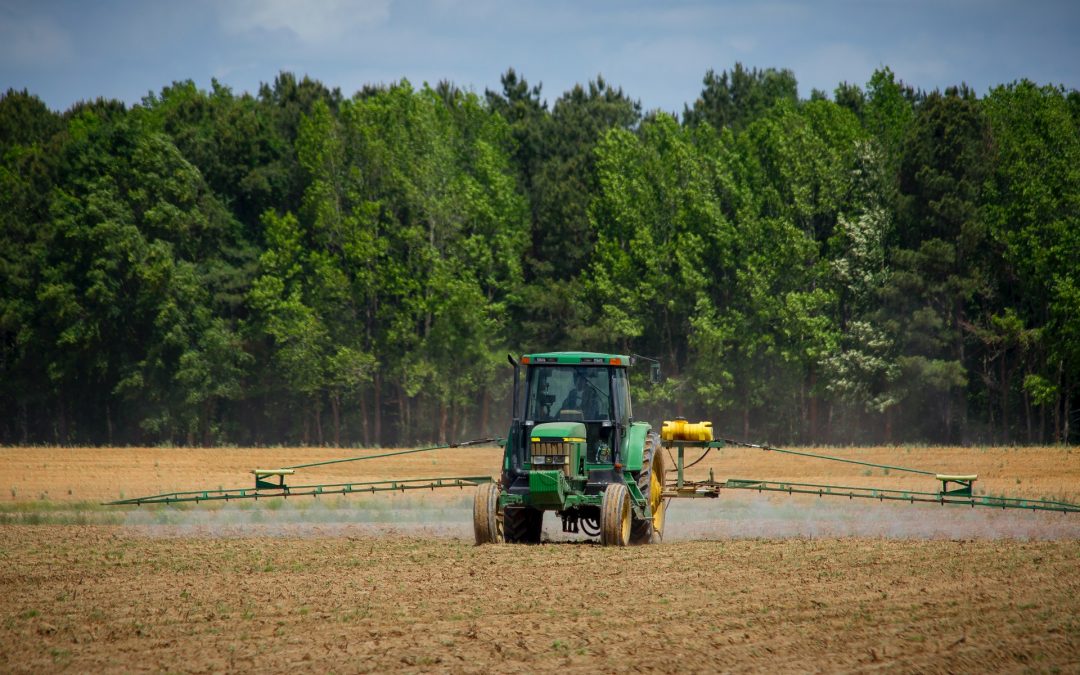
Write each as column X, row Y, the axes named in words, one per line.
column 121, row 598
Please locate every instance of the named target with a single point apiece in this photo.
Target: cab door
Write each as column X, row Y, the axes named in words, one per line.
column 621, row 389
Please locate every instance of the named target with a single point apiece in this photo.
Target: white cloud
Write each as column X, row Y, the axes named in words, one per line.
column 32, row 41
column 313, row 23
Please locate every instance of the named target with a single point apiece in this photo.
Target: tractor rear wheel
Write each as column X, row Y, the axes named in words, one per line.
column 651, row 483
column 615, row 516
column 487, row 516
column 522, row 524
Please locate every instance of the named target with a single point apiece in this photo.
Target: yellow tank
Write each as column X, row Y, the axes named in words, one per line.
column 681, row 430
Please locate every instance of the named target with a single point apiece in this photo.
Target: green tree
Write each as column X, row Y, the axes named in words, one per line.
column 940, row 262
column 133, row 227
column 1033, row 212
column 657, row 219
column 735, row 99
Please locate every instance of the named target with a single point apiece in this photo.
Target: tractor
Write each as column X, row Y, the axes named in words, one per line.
column 575, row 448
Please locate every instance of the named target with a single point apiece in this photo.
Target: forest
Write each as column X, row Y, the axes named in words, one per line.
column 879, row 264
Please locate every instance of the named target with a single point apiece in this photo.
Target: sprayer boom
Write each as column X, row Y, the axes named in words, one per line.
column 266, row 487
column 953, row 489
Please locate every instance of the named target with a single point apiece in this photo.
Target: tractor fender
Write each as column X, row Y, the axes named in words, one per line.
column 634, row 445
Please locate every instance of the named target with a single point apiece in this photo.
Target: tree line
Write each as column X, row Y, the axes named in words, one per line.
column 882, row 264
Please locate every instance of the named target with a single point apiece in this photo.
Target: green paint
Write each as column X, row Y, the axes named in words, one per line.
column 634, row 445
column 558, row 430
column 547, row 489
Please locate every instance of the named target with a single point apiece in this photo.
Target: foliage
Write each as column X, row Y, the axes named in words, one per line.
column 298, row 266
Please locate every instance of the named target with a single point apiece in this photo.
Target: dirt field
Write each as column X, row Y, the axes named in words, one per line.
column 742, row 583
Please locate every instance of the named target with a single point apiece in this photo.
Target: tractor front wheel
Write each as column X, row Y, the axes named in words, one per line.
column 487, row 516
column 522, row 524
column 615, row 516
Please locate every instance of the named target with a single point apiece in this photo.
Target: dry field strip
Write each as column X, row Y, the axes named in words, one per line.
column 372, row 583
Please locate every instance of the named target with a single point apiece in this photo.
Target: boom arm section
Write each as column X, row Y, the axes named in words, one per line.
column 954, row 489
column 265, row 487
column 306, row 490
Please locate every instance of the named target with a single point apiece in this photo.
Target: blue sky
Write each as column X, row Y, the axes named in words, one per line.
column 68, row 50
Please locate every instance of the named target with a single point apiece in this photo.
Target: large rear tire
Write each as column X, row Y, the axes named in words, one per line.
column 650, row 482
column 522, row 524
column 487, row 516
column 615, row 516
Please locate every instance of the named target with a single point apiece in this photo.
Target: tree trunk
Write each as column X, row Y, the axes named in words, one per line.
column 377, row 409
column 1065, row 431
column 108, row 424
column 403, row 418
column 485, row 410
column 452, row 414
column 61, row 419
column 829, row 422
column 988, row 381
column 1042, row 424
column 442, row 422
column 318, row 421
column 25, row 423
column 1057, row 401
column 961, row 395
column 207, row 422
column 889, row 425
column 1004, row 400
column 948, row 414
column 335, row 410
column 365, row 432
column 1027, row 414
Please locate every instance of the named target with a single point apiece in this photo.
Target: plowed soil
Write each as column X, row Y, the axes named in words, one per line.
column 378, row 583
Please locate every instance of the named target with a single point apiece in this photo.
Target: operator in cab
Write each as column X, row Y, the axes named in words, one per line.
column 582, row 397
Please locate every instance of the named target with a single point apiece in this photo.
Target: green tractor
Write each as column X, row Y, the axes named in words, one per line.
column 575, row 449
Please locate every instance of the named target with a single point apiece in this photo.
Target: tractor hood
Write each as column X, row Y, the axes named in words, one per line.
column 563, row 431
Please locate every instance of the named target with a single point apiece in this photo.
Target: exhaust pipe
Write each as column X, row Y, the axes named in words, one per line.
column 513, row 446
column 514, row 412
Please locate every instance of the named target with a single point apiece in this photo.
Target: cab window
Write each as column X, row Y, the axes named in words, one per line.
column 623, row 413
column 568, row 394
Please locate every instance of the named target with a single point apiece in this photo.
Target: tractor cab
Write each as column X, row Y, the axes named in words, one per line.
column 584, row 401
column 574, row 421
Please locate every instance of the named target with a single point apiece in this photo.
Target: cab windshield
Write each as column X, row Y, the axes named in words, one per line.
column 568, row 394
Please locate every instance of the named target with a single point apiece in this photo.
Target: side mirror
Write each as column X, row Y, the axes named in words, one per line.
column 654, row 372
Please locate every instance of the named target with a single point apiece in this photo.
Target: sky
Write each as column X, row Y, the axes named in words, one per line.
column 65, row 51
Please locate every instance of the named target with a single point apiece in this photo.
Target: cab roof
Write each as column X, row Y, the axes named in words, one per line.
column 576, row 358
